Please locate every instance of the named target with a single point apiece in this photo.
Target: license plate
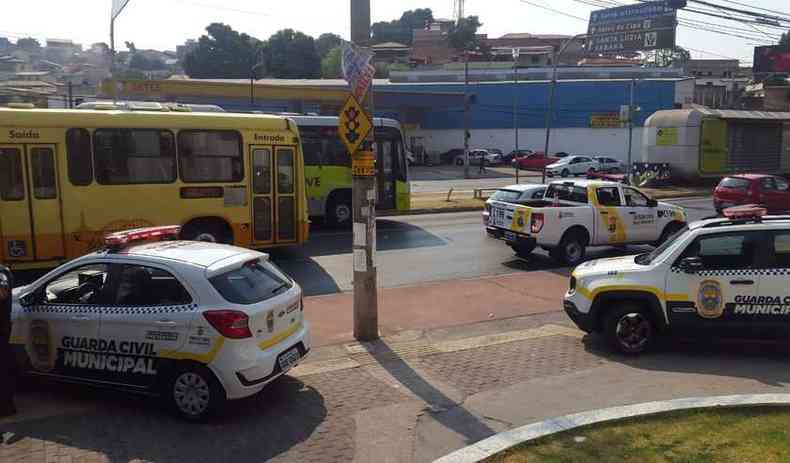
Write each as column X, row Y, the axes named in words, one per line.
column 497, row 217
column 510, row 236
column 288, row 359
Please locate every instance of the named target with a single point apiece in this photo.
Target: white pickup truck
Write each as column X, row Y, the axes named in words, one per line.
column 576, row 214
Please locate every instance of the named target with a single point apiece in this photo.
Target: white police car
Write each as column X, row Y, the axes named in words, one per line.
column 717, row 277
column 199, row 323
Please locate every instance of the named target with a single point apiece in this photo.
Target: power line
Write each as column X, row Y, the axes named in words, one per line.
column 740, row 11
column 758, row 8
column 553, row 10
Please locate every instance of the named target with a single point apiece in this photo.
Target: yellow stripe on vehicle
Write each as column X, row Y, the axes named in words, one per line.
column 280, row 337
column 661, row 295
column 206, row 358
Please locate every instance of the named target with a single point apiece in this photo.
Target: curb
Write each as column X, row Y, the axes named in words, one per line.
column 442, row 210
column 508, row 439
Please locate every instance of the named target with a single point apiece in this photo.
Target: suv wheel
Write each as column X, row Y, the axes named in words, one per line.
column 629, row 329
column 565, row 173
column 195, row 394
column 459, row 161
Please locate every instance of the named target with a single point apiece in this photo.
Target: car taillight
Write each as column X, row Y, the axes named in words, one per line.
column 536, row 224
column 230, row 323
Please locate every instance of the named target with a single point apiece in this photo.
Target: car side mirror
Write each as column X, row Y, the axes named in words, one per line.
column 691, row 264
column 652, row 203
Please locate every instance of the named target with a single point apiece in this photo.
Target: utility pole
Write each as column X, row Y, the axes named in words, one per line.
column 556, row 58
column 366, row 318
column 466, row 114
column 516, row 54
column 631, row 111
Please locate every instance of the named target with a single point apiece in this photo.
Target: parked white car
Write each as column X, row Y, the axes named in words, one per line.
column 476, row 155
column 572, row 165
column 609, row 165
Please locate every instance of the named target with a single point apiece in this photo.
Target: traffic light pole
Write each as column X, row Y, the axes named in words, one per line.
column 366, row 319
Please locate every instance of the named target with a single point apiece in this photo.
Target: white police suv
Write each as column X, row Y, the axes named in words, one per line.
column 717, row 277
column 198, row 323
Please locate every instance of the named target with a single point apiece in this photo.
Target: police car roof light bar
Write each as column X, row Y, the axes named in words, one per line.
column 749, row 211
column 119, row 240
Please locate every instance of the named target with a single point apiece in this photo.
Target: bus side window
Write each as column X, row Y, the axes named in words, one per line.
column 78, row 154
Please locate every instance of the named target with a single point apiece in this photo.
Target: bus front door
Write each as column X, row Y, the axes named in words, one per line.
column 31, row 222
column 273, row 195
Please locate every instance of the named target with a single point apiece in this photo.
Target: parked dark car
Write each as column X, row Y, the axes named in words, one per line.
column 771, row 191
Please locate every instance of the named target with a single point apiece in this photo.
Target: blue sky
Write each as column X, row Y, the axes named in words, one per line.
column 163, row 24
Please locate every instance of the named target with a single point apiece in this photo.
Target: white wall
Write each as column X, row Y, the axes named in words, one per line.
column 603, row 142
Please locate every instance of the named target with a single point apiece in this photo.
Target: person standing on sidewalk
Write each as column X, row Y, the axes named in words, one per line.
column 7, row 370
column 482, row 165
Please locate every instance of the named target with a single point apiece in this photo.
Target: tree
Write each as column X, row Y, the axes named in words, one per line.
column 143, row 63
column 292, row 55
column 222, row 53
column 330, row 65
column 463, row 35
column 785, row 40
column 130, row 46
column 400, row 30
column 325, row 43
column 28, row 43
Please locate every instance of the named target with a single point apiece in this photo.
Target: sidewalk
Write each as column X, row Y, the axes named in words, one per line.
column 416, row 395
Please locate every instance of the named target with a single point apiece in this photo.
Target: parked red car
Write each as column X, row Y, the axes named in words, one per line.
column 534, row 161
column 771, row 191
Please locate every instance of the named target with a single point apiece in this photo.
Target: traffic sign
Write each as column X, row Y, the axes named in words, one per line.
column 363, row 164
column 631, row 28
column 354, row 125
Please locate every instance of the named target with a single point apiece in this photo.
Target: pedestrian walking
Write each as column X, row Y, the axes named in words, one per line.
column 482, row 165
column 7, row 363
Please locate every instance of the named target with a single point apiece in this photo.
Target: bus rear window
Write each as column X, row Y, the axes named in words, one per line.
column 565, row 192
column 254, row 282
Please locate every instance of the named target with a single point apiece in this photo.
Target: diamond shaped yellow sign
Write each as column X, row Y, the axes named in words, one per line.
column 354, row 125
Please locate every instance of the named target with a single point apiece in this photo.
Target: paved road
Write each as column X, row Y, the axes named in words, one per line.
column 425, row 248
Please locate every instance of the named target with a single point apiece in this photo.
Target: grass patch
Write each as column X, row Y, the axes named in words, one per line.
column 755, row 435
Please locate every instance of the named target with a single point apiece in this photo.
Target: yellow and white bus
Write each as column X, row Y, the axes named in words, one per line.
column 68, row 177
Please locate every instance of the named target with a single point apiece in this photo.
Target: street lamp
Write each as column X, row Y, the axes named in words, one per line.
column 516, row 54
column 556, row 59
column 258, row 65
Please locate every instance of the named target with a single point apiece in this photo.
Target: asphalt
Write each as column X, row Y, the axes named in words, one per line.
column 427, row 248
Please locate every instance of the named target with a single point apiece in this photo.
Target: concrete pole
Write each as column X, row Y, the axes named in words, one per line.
column 466, row 114
column 516, row 55
column 364, row 194
column 631, row 111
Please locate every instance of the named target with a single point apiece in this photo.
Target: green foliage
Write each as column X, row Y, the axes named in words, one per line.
column 463, row 36
column 400, row 30
column 222, row 53
column 28, row 43
column 330, row 65
column 131, row 47
column 785, row 39
column 326, row 43
column 293, row 55
column 141, row 62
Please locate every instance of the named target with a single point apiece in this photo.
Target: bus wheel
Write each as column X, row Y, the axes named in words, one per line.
column 340, row 212
column 212, row 231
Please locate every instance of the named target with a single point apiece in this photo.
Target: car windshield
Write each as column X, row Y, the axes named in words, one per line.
column 650, row 257
column 506, row 195
column 735, row 183
column 252, row 283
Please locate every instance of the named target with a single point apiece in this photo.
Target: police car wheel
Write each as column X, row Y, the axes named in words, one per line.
column 629, row 329
column 195, row 394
